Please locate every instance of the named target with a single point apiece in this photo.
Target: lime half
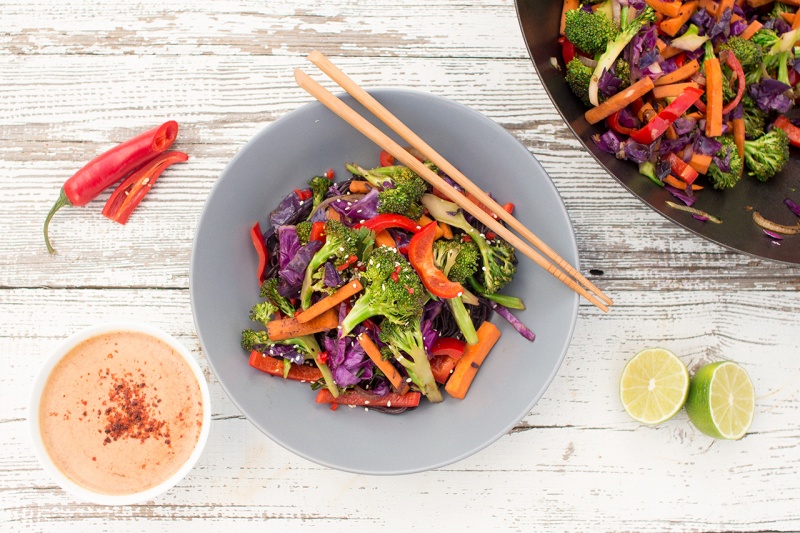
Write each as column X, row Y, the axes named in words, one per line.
column 653, row 386
column 721, row 400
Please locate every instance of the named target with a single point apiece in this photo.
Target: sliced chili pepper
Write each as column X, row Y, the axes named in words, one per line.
column 420, row 255
column 681, row 168
column 449, row 346
column 109, row 167
column 323, row 357
column 317, row 232
column 791, row 130
column 390, row 220
column 490, row 235
column 474, row 200
column 350, row 260
column 386, row 159
column 127, row 196
column 612, row 121
column 354, row 397
column 303, row 194
column 509, row 207
column 659, row 124
column 275, row 366
column 396, row 274
column 567, row 49
column 330, row 174
column 261, row 249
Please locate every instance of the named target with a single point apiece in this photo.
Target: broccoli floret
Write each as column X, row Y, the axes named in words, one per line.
column 319, row 187
column 400, row 188
column 578, row 78
column 778, row 8
column 726, row 179
column 269, row 290
column 512, row 302
column 590, row 32
column 303, row 230
column 404, row 342
column 767, row 155
column 622, row 70
column 749, row 54
column 341, row 242
column 765, row 38
column 499, row 262
column 263, row 312
column 392, row 290
column 458, row 261
column 615, row 48
column 755, row 118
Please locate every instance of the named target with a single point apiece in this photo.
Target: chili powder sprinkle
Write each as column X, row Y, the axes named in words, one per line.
column 130, row 414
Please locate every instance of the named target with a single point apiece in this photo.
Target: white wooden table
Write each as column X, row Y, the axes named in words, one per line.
column 77, row 77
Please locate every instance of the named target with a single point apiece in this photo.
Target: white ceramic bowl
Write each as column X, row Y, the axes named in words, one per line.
column 46, row 461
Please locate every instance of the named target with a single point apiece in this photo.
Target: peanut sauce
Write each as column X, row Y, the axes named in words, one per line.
column 121, row 412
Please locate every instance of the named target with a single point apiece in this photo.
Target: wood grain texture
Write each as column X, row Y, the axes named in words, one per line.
column 80, row 76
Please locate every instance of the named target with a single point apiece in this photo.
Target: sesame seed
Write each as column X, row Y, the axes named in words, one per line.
column 408, row 380
column 460, row 293
column 366, row 409
column 389, row 403
column 366, row 402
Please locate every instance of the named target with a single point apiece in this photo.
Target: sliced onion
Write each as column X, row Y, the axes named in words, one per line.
column 694, row 211
column 775, row 227
column 792, row 206
column 591, row 63
column 772, row 235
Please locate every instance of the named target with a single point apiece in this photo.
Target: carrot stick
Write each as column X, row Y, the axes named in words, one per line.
column 619, row 101
column 672, row 25
column 287, row 328
column 723, row 5
column 671, row 133
column 700, row 162
column 332, row 214
column 359, row 187
column 671, row 51
column 467, row 367
column 710, row 6
column 424, row 220
column 737, row 125
column 673, row 90
column 672, row 181
column 447, row 231
column 400, row 385
column 790, row 2
column 669, row 9
column 758, row 3
column 796, row 22
column 569, row 5
column 713, row 97
column 788, row 17
column 384, row 238
column 687, row 70
column 751, row 29
column 341, row 294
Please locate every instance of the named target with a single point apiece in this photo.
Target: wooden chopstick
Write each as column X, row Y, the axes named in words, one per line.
column 350, row 116
column 375, row 107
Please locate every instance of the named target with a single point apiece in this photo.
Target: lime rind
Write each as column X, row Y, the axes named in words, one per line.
column 721, row 400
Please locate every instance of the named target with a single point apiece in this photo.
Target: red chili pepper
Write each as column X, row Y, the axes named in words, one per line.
column 323, row 357
column 303, row 194
column 110, row 167
column 509, row 207
column 386, row 159
column 350, row 260
column 396, row 274
column 390, row 220
column 420, row 255
column 681, row 168
column 330, row 174
column 261, row 249
column 466, row 238
column 791, row 130
column 567, row 49
column 127, row 196
column 317, row 232
column 490, row 235
column 656, row 127
column 403, row 250
column 449, row 346
column 612, row 121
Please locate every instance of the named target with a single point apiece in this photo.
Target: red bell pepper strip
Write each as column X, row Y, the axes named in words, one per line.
column 344, row 266
column 135, row 187
column 420, row 255
column 681, row 168
column 110, row 167
column 273, row 365
column 791, row 130
column 612, row 121
column 317, row 232
column 567, row 49
column 261, row 249
column 442, row 367
column 449, row 346
column 390, row 220
column 656, row 127
column 386, row 159
column 303, row 194
column 354, row 397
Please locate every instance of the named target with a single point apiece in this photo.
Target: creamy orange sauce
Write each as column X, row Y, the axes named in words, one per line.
column 121, row 412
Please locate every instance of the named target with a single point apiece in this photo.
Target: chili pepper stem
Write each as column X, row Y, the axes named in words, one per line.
column 61, row 202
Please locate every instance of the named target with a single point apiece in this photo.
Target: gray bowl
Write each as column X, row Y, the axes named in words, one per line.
column 223, row 287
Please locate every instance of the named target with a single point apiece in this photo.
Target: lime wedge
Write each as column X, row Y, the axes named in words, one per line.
column 721, row 400
column 653, row 386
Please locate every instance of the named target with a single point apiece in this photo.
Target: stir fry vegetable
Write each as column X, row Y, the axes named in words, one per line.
column 365, row 294
column 692, row 91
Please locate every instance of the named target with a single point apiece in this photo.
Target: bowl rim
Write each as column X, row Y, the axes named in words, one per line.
column 55, row 355
column 572, row 246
